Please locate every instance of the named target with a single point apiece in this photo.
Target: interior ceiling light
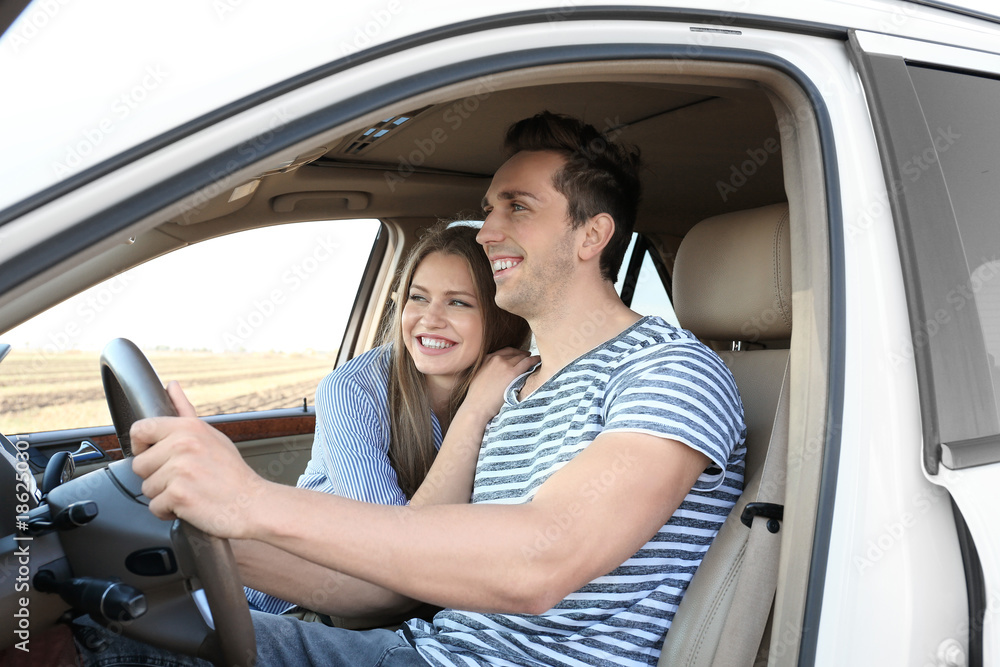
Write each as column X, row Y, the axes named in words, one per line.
column 377, row 131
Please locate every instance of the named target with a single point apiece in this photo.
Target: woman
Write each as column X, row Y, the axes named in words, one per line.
column 381, row 417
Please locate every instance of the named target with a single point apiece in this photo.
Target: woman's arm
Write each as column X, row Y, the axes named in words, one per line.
column 350, row 450
column 314, row 587
column 449, row 481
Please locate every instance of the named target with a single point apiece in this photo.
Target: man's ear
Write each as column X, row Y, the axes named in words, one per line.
column 598, row 232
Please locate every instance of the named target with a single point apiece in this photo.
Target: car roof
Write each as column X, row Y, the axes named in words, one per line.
column 94, row 84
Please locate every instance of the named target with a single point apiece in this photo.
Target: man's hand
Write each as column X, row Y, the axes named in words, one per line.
column 194, row 472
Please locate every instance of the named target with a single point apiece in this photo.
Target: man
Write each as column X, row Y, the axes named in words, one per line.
column 601, row 482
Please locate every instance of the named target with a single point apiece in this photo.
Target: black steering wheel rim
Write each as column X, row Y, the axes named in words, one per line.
column 134, row 392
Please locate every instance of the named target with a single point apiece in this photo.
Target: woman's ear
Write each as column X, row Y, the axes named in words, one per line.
column 598, row 232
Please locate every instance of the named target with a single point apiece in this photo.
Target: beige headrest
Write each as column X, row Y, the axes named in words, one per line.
column 732, row 277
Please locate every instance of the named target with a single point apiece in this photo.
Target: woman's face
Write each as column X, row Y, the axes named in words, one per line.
column 442, row 318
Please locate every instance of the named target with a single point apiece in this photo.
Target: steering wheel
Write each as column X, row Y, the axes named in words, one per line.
column 226, row 635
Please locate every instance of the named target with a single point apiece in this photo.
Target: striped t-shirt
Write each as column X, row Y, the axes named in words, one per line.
column 350, row 452
column 652, row 378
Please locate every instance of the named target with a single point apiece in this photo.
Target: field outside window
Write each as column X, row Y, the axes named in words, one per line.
column 245, row 322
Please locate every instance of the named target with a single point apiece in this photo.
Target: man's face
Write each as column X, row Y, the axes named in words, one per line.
column 527, row 234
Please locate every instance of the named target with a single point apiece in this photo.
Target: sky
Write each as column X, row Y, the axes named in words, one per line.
column 88, row 79
column 82, row 93
column 284, row 288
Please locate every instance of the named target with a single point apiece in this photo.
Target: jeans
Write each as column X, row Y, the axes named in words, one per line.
column 280, row 641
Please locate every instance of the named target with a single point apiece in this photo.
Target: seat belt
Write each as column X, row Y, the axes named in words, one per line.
column 758, row 577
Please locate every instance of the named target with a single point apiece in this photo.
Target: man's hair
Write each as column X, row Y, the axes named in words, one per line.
column 599, row 176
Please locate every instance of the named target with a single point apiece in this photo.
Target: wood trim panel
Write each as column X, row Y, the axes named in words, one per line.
column 237, row 431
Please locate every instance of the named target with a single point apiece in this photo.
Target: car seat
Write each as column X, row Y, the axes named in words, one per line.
column 732, row 287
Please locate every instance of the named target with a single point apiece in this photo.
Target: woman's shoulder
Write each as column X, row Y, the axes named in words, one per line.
column 367, row 371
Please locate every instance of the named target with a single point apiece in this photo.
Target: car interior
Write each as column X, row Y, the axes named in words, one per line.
column 734, row 213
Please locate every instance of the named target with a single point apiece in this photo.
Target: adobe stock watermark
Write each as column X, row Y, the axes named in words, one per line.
column 753, row 329
column 590, row 492
column 424, row 147
column 876, row 209
column 991, row 613
column 232, row 513
column 63, row 338
column 223, row 8
column 957, row 299
column 328, row 587
column 222, row 178
column 781, row 642
column 740, row 174
column 22, row 552
column 898, row 17
column 37, row 17
column 743, row 171
column 584, row 329
column 893, row 532
column 265, row 307
column 910, row 172
column 365, row 34
column 288, row 456
column 915, row 167
column 564, row 10
column 96, row 301
column 124, row 106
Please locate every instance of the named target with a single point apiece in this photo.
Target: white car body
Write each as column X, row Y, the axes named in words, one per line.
column 883, row 581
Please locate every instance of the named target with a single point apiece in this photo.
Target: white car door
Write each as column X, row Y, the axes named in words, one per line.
column 935, row 110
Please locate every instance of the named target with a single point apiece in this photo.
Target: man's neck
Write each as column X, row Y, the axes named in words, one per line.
column 582, row 325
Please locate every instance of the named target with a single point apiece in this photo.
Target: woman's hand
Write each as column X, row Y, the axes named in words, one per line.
column 497, row 372
column 450, row 478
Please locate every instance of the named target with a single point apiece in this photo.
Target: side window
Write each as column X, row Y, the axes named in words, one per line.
column 967, row 145
column 246, row 322
column 941, row 160
column 642, row 283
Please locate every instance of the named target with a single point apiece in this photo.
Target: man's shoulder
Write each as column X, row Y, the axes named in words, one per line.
column 649, row 336
column 652, row 338
column 653, row 347
column 653, row 330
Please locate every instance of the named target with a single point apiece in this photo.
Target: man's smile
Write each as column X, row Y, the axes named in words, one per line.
column 501, row 264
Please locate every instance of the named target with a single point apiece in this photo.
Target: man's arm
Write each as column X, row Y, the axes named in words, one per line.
column 307, row 584
column 585, row 520
column 288, row 577
column 281, row 574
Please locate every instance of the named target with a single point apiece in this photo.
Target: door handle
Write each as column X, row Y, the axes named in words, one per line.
column 87, row 451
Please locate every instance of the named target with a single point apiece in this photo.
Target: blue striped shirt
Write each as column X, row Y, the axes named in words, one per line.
column 654, row 379
column 350, row 452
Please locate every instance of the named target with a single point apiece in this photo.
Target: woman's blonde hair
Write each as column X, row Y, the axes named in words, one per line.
column 411, row 441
